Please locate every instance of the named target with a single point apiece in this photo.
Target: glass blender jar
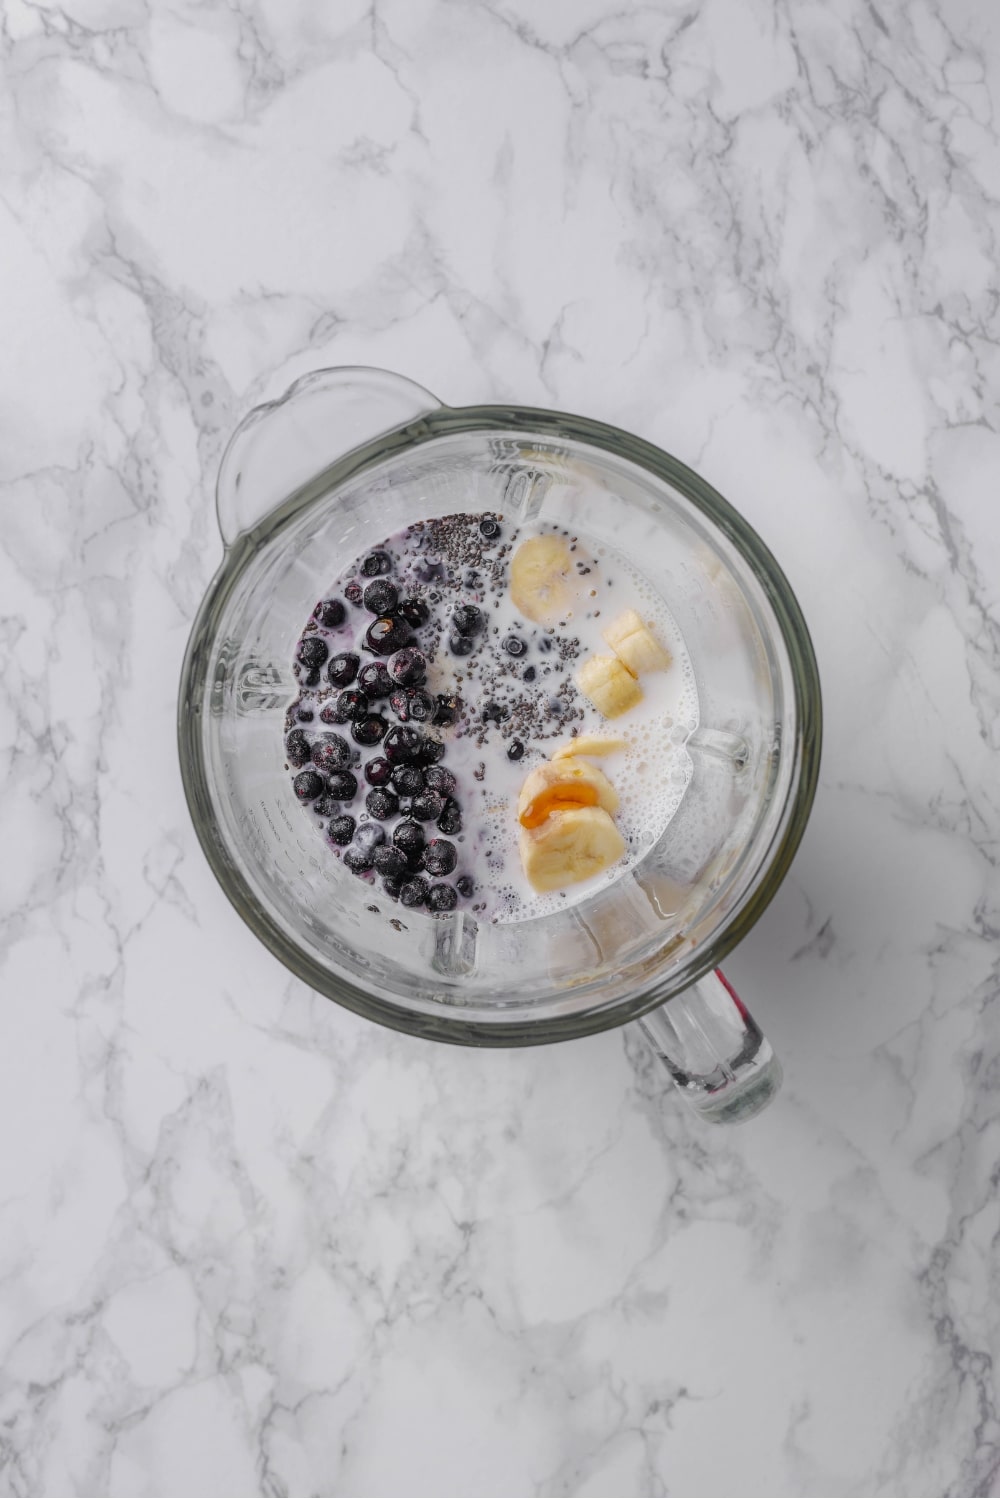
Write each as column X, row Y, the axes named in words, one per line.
column 348, row 456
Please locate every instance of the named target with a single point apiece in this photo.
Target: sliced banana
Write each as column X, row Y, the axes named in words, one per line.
column 541, row 577
column 632, row 641
column 597, row 745
column 566, row 783
column 570, row 846
column 609, row 685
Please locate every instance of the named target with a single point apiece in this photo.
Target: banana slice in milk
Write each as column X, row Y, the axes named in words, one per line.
column 597, row 745
column 541, row 579
column 632, row 641
column 609, row 685
column 567, row 833
column 570, row 846
column 561, row 784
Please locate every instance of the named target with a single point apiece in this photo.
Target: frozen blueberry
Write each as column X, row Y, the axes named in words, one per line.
column 376, row 563
column 448, row 708
column 343, row 785
column 496, row 712
column 515, row 750
column 401, row 745
column 369, row 836
column 440, row 857
column 428, row 569
column 414, row 612
column 305, row 715
column 354, row 592
column 429, row 751
column 357, row 860
column 399, row 702
column 369, row 730
column 309, row 677
column 408, row 836
column 382, row 803
column 408, row 667
column 514, row 645
column 468, row 619
column 489, row 528
column 413, row 892
column 408, row 780
column 392, row 886
column 326, row 806
column 419, row 706
column 440, row 779
column 330, row 612
column 387, row 634
column 331, row 752
column 312, row 652
column 465, row 885
column 297, row 748
column 411, row 703
column 442, row 897
column 388, row 860
column 343, row 668
column 308, row 785
column 378, row 771
column 450, row 820
column 461, row 645
column 374, row 679
column 350, row 705
column 529, row 674
column 471, row 579
column 381, row 597
column 341, row 830
column 427, row 806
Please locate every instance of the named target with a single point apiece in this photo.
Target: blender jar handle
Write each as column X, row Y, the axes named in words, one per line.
column 714, row 1051
column 283, row 444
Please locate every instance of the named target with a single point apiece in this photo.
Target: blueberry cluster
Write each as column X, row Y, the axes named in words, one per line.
column 411, row 813
column 405, row 787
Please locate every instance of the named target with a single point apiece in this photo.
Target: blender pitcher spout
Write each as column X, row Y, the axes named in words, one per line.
column 284, row 444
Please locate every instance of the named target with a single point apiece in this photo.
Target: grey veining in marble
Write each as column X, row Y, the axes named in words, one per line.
column 251, row 1244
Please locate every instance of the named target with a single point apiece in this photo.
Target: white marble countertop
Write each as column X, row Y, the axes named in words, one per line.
column 252, row 1244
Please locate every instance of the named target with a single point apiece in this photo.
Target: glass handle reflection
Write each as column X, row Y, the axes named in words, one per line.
column 713, row 1049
